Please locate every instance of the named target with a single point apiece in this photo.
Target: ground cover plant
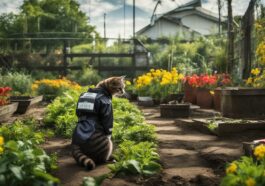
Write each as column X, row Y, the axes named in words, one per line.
column 247, row 171
column 4, row 95
column 22, row 161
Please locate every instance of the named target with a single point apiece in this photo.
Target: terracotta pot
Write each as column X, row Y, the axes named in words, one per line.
column 190, row 94
column 204, row 98
column 217, row 99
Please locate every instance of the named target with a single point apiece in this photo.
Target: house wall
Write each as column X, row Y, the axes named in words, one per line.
column 200, row 24
column 166, row 28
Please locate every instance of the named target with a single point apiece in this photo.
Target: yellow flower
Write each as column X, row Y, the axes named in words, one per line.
column 259, row 152
column 249, row 81
column 1, row 140
column 232, row 168
column 250, row 182
column 1, row 150
column 212, row 92
column 128, row 83
column 255, row 71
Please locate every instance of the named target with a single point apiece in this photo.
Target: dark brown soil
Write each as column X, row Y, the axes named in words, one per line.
column 188, row 157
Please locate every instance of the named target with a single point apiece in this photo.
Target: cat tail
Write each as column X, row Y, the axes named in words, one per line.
column 82, row 159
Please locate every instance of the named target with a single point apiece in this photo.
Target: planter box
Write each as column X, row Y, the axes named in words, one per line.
column 7, row 110
column 204, row 98
column 175, row 110
column 243, row 103
column 190, row 94
column 25, row 102
column 145, row 101
column 230, row 128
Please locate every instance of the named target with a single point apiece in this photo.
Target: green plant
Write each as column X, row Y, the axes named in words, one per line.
column 24, row 130
column 87, row 76
column 60, row 114
column 19, row 82
column 135, row 158
column 22, row 163
column 247, row 171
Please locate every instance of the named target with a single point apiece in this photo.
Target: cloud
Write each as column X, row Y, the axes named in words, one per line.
column 6, row 6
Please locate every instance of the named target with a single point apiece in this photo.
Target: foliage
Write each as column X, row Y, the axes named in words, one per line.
column 257, row 78
column 159, row 83
column 260, row 33
column 53, row 87
column 87, row 76
column 18, row 81
column 135, row 158
column 23, row 163
column 4, row 95
column 94, row 181
column 60, row 114
column 246, row 170
column 24, row 130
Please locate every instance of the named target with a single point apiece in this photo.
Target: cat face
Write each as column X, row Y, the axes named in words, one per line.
column 115, row 85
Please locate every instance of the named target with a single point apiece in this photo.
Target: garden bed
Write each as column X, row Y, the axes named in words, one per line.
column 25, row 102
column 225, row 126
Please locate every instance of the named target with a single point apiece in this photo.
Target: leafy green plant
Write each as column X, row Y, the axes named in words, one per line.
column 87, row 76
column 25, row 130
column 22, row 163
column 19, row 82
column 60, row 114
column 247, row 171
column 135, row 158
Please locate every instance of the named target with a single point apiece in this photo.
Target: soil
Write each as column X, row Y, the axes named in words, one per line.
column 188, row 157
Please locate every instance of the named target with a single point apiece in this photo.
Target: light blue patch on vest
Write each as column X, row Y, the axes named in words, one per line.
column 87, row 101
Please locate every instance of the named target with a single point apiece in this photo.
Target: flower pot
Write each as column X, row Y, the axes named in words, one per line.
column 175, row 110
column 25, row 102
column 190, row 94
column 7, row 110
column 145, row 101
column 204, row 98
column 217, row 99
column 243, row 102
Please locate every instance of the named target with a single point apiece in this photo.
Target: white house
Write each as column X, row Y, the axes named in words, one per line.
column 186, row 21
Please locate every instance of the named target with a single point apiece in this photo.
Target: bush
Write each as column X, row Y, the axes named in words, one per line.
column 22, row 163
column 18, row 81
column 86, row 77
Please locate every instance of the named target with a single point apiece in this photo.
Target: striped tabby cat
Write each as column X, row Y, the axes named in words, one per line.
column 95, row 128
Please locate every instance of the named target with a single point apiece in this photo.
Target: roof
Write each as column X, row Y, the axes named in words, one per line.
column 194, row 3
column 174, row 20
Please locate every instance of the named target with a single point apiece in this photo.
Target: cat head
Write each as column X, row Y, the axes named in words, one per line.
column 115, row 85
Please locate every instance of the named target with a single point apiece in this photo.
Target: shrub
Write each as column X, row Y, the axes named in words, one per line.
column 18, row 81
column 86, row 77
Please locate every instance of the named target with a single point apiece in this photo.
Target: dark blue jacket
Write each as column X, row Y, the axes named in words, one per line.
column 101, row 119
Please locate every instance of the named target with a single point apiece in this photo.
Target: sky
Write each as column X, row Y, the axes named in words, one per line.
column 120, row 24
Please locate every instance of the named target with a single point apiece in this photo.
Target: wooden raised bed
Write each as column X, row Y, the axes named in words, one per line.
column 175, row 110
column 230, row 128
column 7, row 110
column 243, row 102
column 25, row 102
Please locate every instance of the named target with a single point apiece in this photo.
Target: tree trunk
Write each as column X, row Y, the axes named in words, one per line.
column 230, row 35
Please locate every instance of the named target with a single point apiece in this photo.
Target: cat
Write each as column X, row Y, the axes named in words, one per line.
column 98, row 148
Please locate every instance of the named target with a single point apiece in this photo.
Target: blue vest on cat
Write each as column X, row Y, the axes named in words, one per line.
column 94, row 112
